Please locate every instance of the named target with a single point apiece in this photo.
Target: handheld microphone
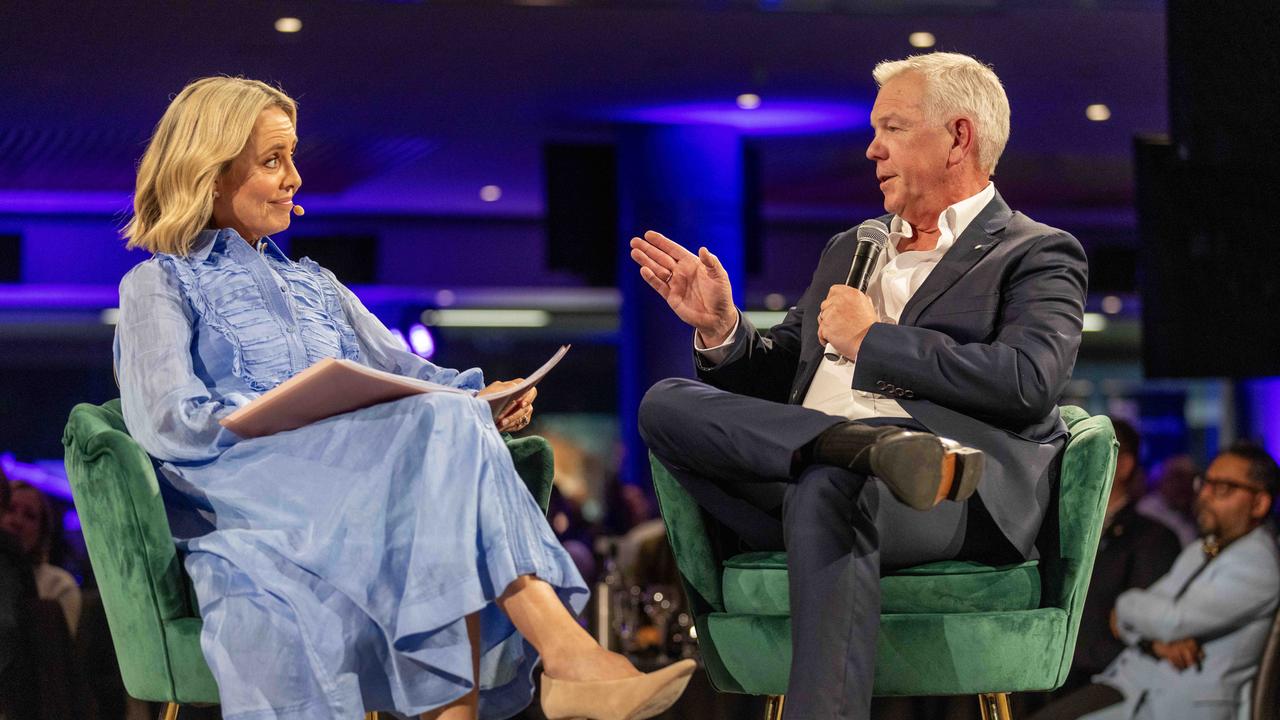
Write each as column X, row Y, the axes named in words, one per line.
column 872, row 236
column 297, row 210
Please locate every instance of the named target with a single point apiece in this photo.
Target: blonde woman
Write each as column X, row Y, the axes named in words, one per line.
column 389, row 558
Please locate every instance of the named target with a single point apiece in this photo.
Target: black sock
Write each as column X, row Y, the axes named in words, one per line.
column 846, row 445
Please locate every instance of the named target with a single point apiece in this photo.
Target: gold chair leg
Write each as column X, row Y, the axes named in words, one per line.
column 371, row 716
column 995, row 706
column 773, row 707
column 171, row 711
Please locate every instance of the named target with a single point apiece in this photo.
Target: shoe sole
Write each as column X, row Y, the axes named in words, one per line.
column 662, row 701
column 970, row 464
column 663, row 697
column 922, row 469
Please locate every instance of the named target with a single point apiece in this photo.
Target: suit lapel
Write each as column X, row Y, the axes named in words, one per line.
column 965, row 252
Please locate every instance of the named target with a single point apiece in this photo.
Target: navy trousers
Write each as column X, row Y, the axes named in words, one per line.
column 735, row 455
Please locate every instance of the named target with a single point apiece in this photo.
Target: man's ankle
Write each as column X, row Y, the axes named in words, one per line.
column 847, row 444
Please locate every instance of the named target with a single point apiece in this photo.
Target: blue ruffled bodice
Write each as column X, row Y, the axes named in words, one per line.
column 229, row 322
column 278, row 317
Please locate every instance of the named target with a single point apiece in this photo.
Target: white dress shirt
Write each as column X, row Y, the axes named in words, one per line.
column 896, row 277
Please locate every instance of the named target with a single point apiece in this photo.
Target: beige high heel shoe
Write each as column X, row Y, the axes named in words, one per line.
column 630, row 699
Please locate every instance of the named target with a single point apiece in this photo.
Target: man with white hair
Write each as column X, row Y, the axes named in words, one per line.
column 848, row 433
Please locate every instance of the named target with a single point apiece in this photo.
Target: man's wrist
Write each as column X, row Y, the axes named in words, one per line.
column 710, row 340
column 720, row 334
column 856, row 346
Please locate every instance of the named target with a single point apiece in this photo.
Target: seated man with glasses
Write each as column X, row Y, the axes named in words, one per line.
column 1195, row 636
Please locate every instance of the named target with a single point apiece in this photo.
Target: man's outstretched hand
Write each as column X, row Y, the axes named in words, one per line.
column 696, row 287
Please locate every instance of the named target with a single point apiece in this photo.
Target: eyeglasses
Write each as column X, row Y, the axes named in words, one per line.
column 1221, row 487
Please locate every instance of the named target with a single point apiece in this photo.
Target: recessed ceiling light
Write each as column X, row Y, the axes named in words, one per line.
column 748, row 101
column 288, row 25
column 1098, row 112
column 490, row 193
column 922, row 39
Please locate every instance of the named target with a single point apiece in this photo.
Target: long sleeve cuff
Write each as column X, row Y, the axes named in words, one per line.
column 715, row 355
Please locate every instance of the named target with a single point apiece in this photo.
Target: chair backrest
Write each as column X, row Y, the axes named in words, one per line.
column 130, row 546
column 1266, row 686
column 1068, row 541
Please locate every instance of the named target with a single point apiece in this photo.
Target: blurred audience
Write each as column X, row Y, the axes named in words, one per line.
column 29, row 518
column 1134, row 552
column 1194, row 638
column 1171, row 502
column 17, row 591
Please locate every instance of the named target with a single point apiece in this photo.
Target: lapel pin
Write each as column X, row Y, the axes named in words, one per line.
column 977, row 247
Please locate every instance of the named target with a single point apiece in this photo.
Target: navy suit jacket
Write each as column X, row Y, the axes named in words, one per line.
column 981, row 354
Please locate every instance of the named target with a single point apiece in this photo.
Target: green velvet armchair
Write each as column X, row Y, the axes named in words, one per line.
column 147, row 596
column 947, row 628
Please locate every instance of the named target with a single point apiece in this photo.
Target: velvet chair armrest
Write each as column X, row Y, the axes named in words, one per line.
column 690, row 542
column 535, row 463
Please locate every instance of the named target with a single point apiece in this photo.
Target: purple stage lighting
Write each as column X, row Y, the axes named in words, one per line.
column 47, row 476
column 1263, row 398
column 772, row 117
column 421, row 341
column 71, row 521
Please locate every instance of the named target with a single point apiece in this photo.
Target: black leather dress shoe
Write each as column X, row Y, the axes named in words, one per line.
column 919, row 468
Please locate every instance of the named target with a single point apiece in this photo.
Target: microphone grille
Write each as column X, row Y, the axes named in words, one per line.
column 873, row 231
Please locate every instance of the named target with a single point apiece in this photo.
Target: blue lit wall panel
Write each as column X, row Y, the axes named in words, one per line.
column 1261, row 400
column 75, row 250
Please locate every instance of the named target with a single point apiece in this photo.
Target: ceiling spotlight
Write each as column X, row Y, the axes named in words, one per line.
column 1112, row 304
column 748, row 101
column 922, row 39
column 490, row 193
column 288, row 25
column 1098, row 112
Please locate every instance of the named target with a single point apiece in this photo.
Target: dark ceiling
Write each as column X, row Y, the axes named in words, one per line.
column 415, row 106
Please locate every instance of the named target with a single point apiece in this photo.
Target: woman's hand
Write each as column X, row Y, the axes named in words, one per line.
column 519, row 411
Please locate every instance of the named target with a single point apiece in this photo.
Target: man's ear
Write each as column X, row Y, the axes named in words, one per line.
column 1261, row 505
column 963, row 140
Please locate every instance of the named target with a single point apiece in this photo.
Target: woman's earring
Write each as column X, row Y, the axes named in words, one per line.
column 215, row 194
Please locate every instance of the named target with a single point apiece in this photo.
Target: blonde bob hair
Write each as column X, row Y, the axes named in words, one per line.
column 958, row 85
column 203, row 130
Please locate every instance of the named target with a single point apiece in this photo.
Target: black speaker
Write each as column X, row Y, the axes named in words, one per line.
column 353, row 258
column 1223, row 63
column 581, row 183
column 1210, row 270
column 10, row 258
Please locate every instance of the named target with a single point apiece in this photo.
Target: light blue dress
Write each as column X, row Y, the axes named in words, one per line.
column 334, row 564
